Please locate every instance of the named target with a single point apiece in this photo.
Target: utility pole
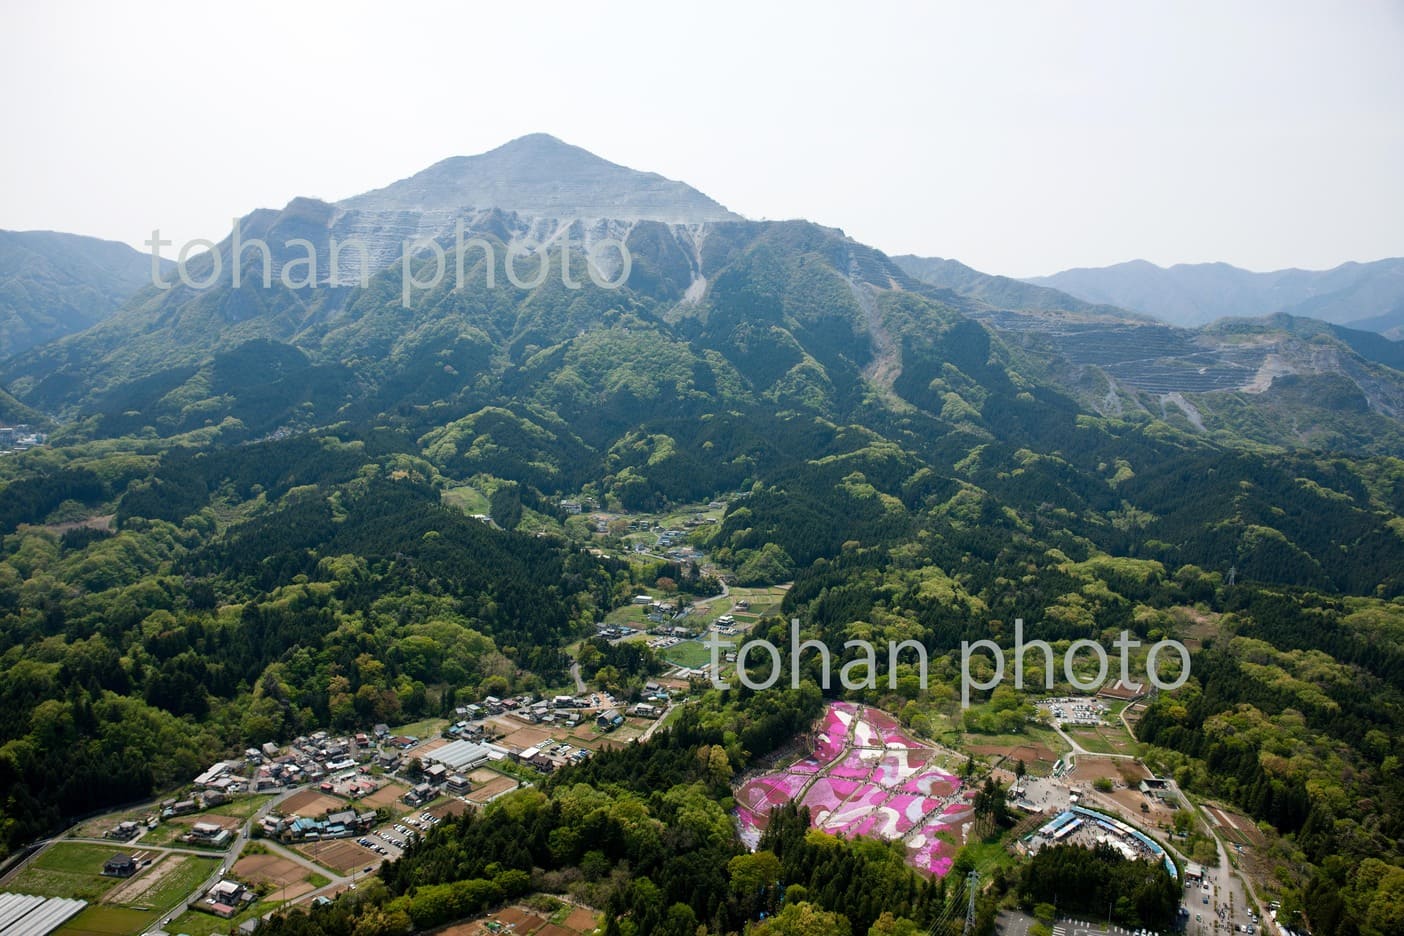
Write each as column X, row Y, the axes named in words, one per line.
column 972, row 881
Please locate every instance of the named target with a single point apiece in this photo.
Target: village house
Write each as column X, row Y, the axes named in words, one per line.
column 123, row 831
column 226, row 898
column 419, row 794
column 120, row 866
column 207, row 833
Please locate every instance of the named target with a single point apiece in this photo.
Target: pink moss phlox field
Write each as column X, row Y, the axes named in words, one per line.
column 865, row 776
column 929, row 851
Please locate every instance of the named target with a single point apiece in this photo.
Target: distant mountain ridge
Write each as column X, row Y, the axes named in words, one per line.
column 1368, row 296
column 53, row 284
column 1001, row 292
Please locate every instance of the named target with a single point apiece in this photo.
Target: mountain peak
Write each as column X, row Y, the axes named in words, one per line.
column 539, row 175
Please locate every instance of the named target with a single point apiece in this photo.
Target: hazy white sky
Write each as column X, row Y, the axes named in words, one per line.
column 1020, row 138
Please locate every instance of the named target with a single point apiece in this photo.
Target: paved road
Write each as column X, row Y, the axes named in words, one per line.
column 1227, row 892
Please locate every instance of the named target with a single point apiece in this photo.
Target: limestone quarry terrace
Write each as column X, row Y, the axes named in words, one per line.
column 864, row 775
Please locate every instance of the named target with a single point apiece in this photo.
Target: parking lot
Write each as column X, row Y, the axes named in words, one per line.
column 391, row 839
column 1217, row 905
column 1072, row 927
column 1013, row 923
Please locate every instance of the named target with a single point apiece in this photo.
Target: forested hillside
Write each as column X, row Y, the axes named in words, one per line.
column 54, row 284
column 265, row 512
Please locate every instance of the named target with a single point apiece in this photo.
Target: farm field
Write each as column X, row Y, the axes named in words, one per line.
column 1103, row 739
column 66, row 869
column 164, row 834
column 518, row 735
column 99, row 920
column 762, row 601
column 1090, row 740
column 423, row 730
column 487, row 785
column 1037, row 746
column 244, row 806
column 117, row 905
column 287, row 878
column 692, row 654
column 704, row 611
column 310, row 803
column 631, row 616
column 387, row 796
column 341, row 855
column 449, row 807
column 164, row 884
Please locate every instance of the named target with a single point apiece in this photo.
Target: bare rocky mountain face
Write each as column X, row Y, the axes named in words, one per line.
column 1120, row 368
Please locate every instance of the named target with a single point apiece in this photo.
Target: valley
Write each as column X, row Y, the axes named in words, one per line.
column 324, row 558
